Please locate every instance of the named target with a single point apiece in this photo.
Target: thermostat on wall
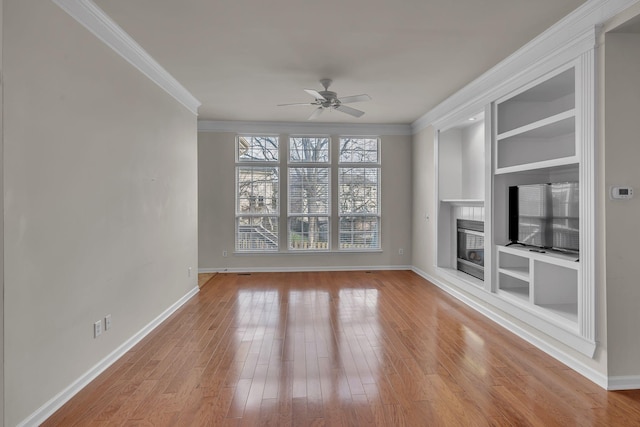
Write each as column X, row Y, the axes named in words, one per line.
column 621, row 192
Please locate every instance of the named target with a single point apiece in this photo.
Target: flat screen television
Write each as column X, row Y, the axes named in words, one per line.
column 545, row 216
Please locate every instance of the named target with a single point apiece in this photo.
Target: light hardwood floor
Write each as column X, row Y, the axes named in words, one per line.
column 338, row 348
column 203, row 278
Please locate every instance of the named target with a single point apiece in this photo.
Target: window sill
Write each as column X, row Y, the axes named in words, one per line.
column 345, row 251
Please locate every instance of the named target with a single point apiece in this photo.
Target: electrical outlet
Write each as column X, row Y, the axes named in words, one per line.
column 97, row 329
column 189, row 272
column 401, row 251
column 224, row 254
column 107, row 322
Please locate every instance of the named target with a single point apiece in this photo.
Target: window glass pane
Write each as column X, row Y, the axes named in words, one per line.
column 309, row 233
column 359, row 150
column 257, row 233
column 359, row 232
column 309, row 191
column 358, row 190
column 257, row 190
column 257, row 148
column 311, row 150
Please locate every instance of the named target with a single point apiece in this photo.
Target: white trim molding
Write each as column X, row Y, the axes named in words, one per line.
column 562, row 40
column 584, row 370
column 624, row 383
column 302, row 269
column 304, row 128
column 56, row 402
column 89, row 15
column 585, row 135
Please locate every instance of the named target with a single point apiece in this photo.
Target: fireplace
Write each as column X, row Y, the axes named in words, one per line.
column 470, row 252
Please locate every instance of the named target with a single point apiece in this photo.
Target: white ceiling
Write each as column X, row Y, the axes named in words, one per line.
column 242, row 57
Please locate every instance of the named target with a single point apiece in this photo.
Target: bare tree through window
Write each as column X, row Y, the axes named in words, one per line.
column 309, row 193
column 257, row 193
column 359, row 193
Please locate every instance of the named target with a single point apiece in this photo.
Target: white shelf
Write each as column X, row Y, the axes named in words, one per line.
column 553, row 163
column 550, row 257
column 521, row 273
column 464, row 202
column 559, row 124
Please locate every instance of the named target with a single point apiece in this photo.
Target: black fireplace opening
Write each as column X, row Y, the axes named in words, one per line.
column 470, row 252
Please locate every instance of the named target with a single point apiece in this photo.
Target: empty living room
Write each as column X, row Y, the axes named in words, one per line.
column 341, row 213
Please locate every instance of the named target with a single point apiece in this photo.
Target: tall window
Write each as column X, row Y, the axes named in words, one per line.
column 257, row 193
column 309, row 194
column 359, row 194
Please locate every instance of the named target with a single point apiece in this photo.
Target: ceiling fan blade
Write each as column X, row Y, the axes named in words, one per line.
column 351, row 111
column 295, row 104
column 315, row 94
column 316, row 113
column 355, row 98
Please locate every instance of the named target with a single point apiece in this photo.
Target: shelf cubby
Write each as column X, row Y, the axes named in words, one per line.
column 537, row 102
column 548, row 143
column 556, row 289
column 513, row 287
column 513, row 265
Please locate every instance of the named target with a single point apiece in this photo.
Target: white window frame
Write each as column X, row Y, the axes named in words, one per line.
column 301, row 246
column 374, row 215
column 271, row 239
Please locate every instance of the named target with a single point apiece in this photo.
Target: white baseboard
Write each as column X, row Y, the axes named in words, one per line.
column 631, row 382
column 46, row 410
column 302, row 269
column 584, row 370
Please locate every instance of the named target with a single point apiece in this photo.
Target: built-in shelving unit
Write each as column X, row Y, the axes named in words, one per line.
column 541, row 132
column 461, row 173
column 540, row 137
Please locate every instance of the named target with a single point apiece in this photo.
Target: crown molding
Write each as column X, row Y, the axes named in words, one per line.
column 565, row 40
column 89, row 15
column 307, row 128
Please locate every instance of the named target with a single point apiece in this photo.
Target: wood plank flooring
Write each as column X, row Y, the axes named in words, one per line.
column 384, row 348
column 203, row 278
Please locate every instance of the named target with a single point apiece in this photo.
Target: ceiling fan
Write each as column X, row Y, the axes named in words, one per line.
column 327, row 99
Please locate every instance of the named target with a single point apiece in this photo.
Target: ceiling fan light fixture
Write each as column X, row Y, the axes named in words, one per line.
column 327, row 99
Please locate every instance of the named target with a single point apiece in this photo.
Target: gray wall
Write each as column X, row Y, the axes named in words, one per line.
column 100, row 202
column 424, row 209
column 216, row 189
column 450, row 164
column 472, row 161
column 461, row 162
column 622, row 152
column 1, row 226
